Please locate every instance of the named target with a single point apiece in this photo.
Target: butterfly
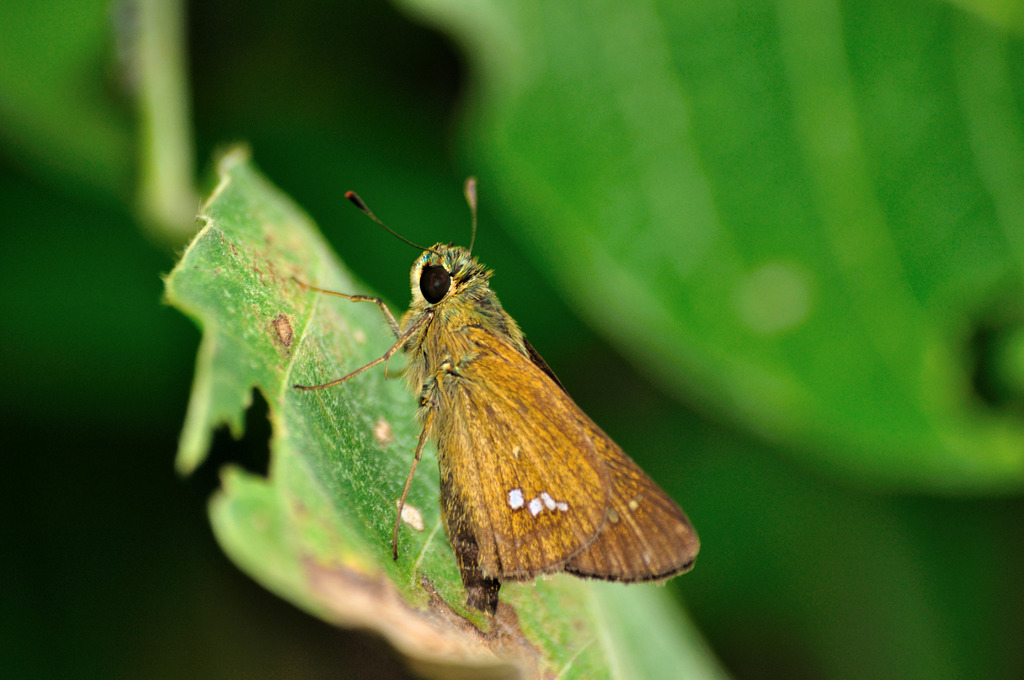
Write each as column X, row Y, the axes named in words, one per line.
column 529, row 484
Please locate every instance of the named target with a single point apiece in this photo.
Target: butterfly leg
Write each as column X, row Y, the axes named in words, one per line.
column 417, row 455
column 414, row 328
column 358, row 298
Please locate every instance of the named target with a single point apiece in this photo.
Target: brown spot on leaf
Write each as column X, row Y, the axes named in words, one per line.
column 284, row 330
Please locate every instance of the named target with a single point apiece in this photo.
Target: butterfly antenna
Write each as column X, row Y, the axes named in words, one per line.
column 358, row 202
column 470, row 190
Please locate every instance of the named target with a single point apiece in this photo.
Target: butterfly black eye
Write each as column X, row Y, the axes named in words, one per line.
column 434, row 283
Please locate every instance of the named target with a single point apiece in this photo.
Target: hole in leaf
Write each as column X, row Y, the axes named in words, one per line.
column 251, row 452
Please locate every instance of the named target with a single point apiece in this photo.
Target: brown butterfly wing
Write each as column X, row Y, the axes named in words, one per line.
column 647, row 536
column 524, row 488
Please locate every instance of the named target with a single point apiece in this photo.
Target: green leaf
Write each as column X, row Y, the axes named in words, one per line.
column 796, row 212
column 317, row 530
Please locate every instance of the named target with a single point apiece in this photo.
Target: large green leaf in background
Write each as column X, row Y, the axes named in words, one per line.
column 56, row 118
column 799, row 212
column 317, row 531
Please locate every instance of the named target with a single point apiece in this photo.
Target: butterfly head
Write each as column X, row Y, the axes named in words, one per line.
column 443, row 272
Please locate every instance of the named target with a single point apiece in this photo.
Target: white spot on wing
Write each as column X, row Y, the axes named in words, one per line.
column 538, row 503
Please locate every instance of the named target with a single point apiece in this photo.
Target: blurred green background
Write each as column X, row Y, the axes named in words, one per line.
column 775, row 250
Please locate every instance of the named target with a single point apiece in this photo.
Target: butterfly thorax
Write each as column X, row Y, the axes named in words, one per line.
column 442, row 343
